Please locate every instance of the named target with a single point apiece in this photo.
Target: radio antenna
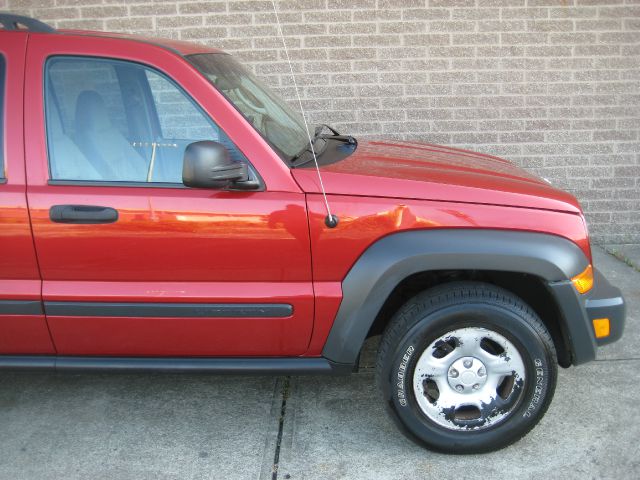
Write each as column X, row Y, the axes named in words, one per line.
column 330, row 220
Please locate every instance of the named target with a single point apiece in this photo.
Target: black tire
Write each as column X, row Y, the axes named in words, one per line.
column 465, row 307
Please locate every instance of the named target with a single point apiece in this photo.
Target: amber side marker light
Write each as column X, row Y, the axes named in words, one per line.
column 601, row 327
column 584, row 281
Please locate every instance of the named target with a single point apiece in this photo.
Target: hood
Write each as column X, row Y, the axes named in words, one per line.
column 424, row 171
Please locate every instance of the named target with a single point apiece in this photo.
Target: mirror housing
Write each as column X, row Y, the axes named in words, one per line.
column 207, row 164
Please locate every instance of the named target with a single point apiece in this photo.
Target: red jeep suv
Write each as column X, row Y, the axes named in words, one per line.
column 160, row 210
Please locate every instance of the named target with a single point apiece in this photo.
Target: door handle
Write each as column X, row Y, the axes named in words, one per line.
column 82, row 214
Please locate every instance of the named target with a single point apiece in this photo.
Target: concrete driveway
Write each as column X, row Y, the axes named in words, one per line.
column 193, row 427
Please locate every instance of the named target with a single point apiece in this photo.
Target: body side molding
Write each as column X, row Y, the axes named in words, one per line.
column 21, row 307
column 194, row 310
column 393, row 258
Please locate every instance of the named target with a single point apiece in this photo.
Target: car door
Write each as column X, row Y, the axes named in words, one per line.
column 23, row 328
column 133, row 262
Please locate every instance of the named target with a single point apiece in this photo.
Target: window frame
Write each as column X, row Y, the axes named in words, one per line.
column 127, row 183
column 3, row 116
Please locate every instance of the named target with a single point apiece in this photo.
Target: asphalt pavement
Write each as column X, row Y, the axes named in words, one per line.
column 124, row 426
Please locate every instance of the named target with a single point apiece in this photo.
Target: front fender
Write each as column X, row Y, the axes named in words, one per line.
column 393, row 258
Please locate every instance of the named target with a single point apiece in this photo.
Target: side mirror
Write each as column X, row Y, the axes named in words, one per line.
column 207, row 164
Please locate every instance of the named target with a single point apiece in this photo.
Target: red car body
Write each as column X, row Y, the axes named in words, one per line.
column 210, row 242
column 181, row 245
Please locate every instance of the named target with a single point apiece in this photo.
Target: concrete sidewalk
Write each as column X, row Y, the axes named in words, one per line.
column 197, row 427
column 630, row 254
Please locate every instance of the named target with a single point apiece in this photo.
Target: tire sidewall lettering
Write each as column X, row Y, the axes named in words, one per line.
column 538, row 387
column 401, row 375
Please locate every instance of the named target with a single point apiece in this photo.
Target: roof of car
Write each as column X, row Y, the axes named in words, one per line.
column 178, row 46
column 20, row 23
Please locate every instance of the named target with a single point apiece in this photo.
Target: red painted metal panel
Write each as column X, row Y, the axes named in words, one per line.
column 19, row 277
column 364, row 220
column 183, row 336
column 432, row 172
column 328, row 299
column 24, row 334
column 190, row 244
column 171, row 234
column 185, row 48
column 18, row 259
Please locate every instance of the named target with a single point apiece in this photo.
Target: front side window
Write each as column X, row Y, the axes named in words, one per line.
column 2, row 115
column 116, row 121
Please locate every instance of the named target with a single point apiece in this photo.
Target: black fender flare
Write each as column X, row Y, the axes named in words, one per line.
column 388, row 261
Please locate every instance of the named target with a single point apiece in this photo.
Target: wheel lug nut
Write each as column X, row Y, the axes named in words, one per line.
column 481, row 372
column 467, row 363
column 453, row 373
column 476, row 386
column 459, row 388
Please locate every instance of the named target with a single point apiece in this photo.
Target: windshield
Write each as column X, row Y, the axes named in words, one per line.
column 278, row 123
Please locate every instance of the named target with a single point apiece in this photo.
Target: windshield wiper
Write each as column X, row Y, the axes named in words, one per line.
column 322, row 126
column 316, row 135
column 307, row 147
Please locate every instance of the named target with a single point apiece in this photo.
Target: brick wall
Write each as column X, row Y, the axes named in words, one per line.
column 553, row 85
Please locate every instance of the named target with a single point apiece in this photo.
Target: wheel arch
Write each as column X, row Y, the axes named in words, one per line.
column 531, row 289
column 421, row 258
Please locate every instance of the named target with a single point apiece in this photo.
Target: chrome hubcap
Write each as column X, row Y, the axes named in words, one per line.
column 467, row 374
column 469, row 378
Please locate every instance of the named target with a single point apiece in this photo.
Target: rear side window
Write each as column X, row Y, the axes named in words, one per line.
column 117, row 121
column 2, row 115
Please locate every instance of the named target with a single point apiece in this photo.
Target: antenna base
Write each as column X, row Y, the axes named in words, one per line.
column 331, row 221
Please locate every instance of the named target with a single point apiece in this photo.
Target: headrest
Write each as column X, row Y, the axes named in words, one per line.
column 91, row 112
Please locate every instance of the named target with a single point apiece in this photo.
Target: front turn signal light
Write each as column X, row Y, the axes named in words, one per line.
column 601, row 327
column 584, row 281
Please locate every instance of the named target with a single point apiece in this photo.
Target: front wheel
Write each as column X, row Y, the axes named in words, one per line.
column 466, row 367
